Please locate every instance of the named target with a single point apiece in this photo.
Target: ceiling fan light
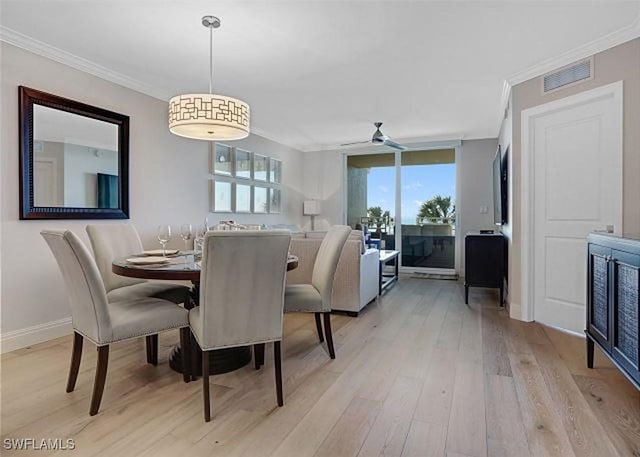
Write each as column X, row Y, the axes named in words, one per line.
column 209, row 117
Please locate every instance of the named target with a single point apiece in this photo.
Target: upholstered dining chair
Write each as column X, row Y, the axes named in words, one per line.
column 103, row 322
column 241, row 296
column 112, row 241
column 316, row 297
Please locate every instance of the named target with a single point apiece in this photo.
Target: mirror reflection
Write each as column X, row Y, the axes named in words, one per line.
column 75, row 160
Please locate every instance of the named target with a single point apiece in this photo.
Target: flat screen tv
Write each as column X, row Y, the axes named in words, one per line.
column 107, row 191
column 500, row 181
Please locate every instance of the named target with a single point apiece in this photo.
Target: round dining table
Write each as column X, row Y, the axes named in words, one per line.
column 181, row 267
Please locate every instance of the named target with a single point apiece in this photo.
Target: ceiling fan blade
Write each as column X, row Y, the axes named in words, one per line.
column 392, row 144
column 355, row 142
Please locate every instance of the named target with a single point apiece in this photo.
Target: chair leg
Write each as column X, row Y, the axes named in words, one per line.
column 277, row 357
column 319, row 327
column 329, row 335
column 185, row 352
column 258, row 355
column 76, row 355
column 152, row 349
column 205, row 386
column 101, row 377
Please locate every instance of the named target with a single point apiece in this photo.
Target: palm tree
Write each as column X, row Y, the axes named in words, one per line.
column 438, row 207
column 375, row 217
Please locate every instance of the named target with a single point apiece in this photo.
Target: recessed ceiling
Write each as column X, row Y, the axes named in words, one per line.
column 319, row 73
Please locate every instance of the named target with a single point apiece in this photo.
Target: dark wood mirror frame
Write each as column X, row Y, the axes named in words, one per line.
column 28, row 97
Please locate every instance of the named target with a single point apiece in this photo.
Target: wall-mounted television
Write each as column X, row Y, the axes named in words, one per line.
column 500, row 187
column 107, row 191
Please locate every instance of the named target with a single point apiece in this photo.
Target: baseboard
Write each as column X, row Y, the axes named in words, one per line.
column 515, row 312
column 29, row 336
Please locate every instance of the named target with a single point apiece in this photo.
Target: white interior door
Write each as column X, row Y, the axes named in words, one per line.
column 45, row 187
column 576, row 153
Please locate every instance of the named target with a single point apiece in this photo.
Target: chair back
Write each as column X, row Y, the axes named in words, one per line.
column 242, row 287
column 87, row 296
column 324, row 270
column 110, row 242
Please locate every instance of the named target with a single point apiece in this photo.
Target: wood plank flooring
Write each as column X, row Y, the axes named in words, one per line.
column 417, row 374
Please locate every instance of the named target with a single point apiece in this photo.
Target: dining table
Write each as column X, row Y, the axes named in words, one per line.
column 183, row 267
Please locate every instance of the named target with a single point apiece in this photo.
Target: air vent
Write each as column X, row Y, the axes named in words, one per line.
column 566, row 76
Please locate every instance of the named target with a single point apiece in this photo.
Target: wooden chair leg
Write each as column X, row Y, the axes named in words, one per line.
column 196, row 356
column 152, row 349
column 319, row 327
column 277, row 357
column 205, row 386
column 76, row 355
column 329, row 335
column 185, row 352
column 258, row 355
column 101, row 377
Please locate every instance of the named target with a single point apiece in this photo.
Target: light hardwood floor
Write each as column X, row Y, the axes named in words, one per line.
column 417, row 374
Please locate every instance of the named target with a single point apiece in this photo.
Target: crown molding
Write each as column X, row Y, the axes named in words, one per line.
column 608, row 41
column 43, row 49
column 618, row 37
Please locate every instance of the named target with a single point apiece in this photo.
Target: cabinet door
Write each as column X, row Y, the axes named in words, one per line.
column 598, row 305
column 626, row 281
column 484, row 257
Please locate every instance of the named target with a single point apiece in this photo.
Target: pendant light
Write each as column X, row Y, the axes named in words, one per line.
column 209, row 116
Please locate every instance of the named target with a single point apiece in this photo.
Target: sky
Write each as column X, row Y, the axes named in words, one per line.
column 419, row 184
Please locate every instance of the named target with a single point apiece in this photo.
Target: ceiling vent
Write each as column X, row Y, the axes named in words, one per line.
column 567, row 76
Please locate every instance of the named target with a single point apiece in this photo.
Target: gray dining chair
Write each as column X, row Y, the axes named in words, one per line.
column 105, row 322
column 316, row 297
column 241, row 296
column 112, row 241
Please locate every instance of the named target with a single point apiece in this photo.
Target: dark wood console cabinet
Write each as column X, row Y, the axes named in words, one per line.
column 484, row 257
column 613, row 280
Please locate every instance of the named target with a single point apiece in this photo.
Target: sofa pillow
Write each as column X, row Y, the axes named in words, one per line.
column 316, row 235
column 359, row 235
column 354, row 235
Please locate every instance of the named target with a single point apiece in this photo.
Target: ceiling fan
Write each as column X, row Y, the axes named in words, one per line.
column 380, row 138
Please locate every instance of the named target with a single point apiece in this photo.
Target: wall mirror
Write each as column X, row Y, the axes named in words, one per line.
column 74, row 159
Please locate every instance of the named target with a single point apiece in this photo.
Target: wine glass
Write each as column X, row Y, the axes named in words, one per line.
column 164, row 235
column 185, row 233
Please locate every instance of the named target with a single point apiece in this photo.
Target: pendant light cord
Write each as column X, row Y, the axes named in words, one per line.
column 211, row 59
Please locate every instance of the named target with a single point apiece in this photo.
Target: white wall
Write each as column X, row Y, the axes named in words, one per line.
column 81, row 168
column 168, row 184
column 475, row 173
column 324, row 180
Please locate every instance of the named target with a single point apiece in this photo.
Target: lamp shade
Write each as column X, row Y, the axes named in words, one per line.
column 209, row 117
column 311, row 208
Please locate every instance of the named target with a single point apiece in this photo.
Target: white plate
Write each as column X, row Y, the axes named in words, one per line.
column 159, row 252
column 151, row 260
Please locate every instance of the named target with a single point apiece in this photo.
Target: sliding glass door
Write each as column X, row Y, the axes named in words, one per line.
column 428, row 183
column 408, row 200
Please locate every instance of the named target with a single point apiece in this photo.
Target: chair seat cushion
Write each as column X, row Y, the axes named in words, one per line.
column 171, row 291
column 144, row 316
column 302, row 298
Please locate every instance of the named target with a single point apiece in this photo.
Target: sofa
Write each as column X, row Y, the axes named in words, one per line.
column 357, row 277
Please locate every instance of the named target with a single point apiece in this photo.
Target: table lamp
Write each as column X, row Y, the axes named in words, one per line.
column 311, row 208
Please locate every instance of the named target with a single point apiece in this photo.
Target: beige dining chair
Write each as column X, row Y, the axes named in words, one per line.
column 241, row 296
column 113, row 241
column 104, row 322
column 316, row 297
